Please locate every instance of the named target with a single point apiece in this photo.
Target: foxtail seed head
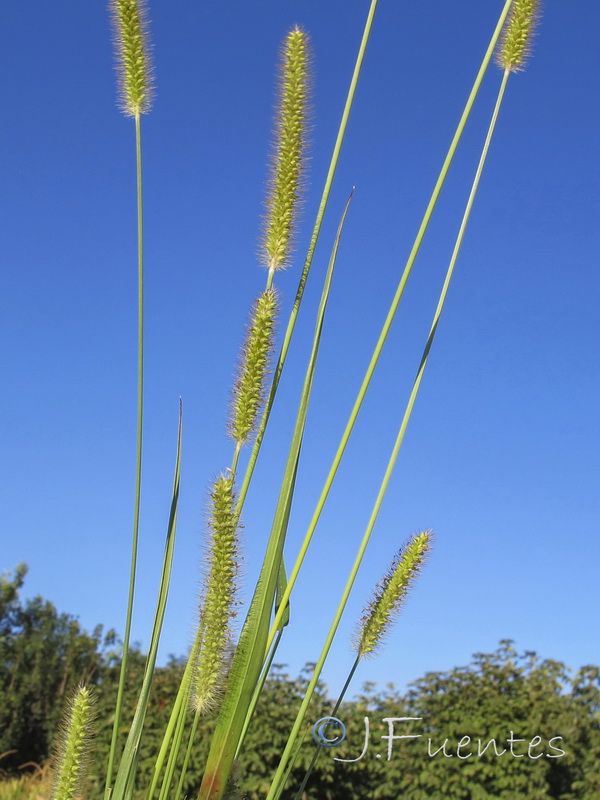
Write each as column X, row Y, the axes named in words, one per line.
column 390, row 593
column 218, row 607
column 133, row 61
column 249, row 388
column 288, row 157
column 515, row 44
column 73, row 748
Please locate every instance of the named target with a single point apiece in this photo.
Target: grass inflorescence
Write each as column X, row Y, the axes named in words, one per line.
column 516, row 42
column 74, row 746
column 134, row 67
column 249, row 388
column 219, row 598
column 391, row 592
column 286, row 170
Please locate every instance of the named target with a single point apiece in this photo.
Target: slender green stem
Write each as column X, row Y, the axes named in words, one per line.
column 235, row 458
column 334, row 710
column 188, row 754
column 179, row 708
column 309, row 256
column 173, row 756
column 125, row 778
column 138, row 466
column 390, row 316
column 277, row 780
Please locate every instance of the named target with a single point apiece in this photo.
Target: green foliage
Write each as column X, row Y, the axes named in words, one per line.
column 43, row 655
column 26, row 785
column 495, row 695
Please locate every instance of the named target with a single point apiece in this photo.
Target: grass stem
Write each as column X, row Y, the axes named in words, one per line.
column 333, row 712
column 138, row 460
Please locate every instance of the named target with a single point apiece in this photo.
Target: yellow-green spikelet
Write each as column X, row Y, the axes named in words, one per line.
column 73, row 749
column 218, row 607
column 133, row 60
column 249, row 388
column 515, row 44
column 390, row 592
column 287, row 163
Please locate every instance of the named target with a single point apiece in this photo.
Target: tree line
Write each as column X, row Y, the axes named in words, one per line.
column 507, row 725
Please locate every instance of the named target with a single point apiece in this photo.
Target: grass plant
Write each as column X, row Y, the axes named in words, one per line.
column 223, row 675
column 134, row 71
column 29, row 785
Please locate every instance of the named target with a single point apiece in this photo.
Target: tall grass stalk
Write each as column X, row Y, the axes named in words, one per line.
column 134, row 72
column 177, row 717
column 125, row 778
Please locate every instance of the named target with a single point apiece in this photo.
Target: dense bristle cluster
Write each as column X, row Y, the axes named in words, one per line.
column 287, row 164
column 390, row 593
column 515, row 44
column 73, row 749
column 133, row 60
column 249, row 389
column 218, row 607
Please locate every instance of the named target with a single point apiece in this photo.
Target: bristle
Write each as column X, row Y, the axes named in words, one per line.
column 391, row 592
column 133, row 60
column 287, row 164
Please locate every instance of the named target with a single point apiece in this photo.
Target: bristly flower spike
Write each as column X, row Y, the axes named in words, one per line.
column 73, row 750
column 249, row 388
column 390, row 593
column 288, row 157
column 218, row 608
column 134, row 67
column 515, row 44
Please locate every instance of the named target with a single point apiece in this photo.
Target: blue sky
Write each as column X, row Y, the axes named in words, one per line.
column 502, row 453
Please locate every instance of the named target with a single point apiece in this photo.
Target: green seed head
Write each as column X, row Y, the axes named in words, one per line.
column 73, row 748
column 390, row 593
column 515, row 44
column 213, row 640
column 249, row 389
column 133, row 62
column 286, row 169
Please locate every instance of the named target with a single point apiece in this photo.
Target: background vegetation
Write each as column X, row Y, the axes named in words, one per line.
column 43, row 653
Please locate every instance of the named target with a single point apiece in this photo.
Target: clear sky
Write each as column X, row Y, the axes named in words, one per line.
column 502, row 454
